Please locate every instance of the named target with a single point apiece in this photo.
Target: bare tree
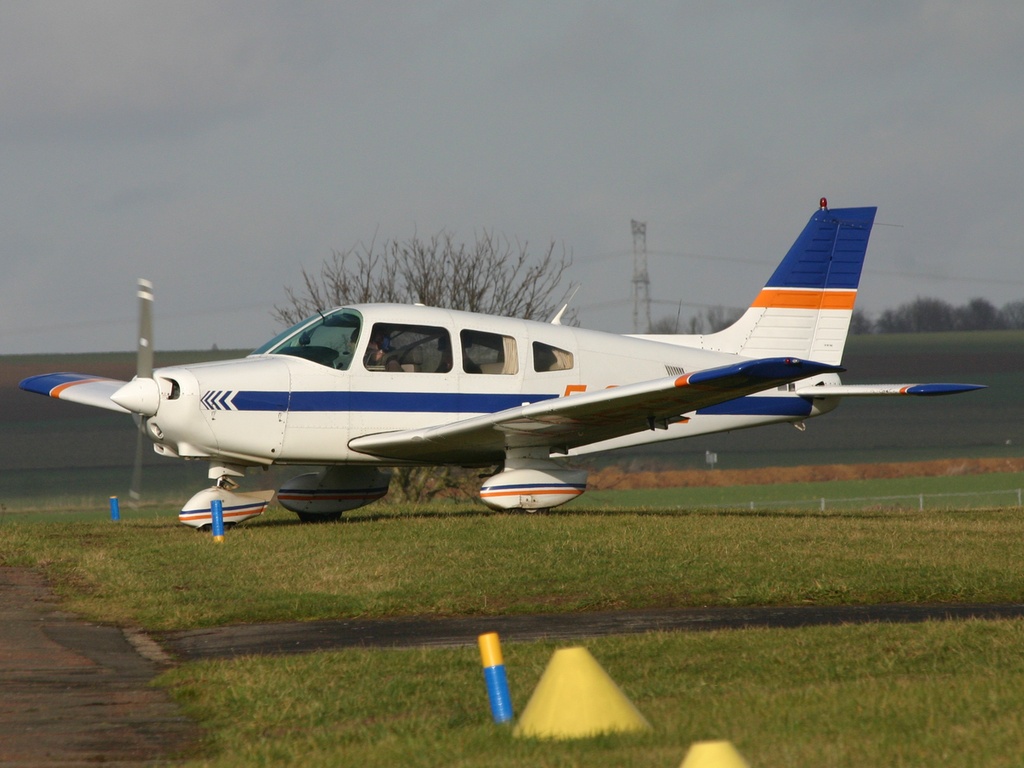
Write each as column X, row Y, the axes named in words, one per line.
column 978, row 314
column 922, row 315
column 1013, row 315
column 665, row 325
column 493, row 275
column 712, row 319
column 861, row 323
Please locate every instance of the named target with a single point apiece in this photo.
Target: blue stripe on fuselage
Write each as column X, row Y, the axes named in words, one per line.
column 387, row 402
column 260, row 401
column 465, row 402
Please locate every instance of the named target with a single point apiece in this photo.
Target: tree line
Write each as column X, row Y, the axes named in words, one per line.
column 927, row 315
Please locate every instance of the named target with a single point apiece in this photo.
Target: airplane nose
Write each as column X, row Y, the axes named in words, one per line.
column 141, row 396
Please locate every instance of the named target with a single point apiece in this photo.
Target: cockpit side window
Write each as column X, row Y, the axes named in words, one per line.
column 548, row 358
column 399, row 347
column 329, row 339
column 484, row 352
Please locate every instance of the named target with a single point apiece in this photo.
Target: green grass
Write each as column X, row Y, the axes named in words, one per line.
column 461, row 561
column 948, row 693
column 897, row 695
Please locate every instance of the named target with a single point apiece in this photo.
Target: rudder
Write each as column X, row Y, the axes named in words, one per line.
column 805, row 307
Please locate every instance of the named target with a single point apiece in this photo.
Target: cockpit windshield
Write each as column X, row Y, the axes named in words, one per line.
column 328, row 339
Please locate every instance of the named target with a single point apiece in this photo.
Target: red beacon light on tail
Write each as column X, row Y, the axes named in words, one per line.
column 823, row 203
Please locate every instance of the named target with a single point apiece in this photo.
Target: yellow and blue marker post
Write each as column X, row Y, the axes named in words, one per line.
column 494, row 676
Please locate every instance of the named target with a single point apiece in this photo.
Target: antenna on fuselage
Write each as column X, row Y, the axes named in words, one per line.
column 557, row 319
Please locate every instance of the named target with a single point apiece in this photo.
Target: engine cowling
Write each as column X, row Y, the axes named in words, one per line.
column 327, row 494
column 533, row 488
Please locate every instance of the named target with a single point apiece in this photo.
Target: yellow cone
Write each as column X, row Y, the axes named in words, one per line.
column 576, row 698
column 713, row 754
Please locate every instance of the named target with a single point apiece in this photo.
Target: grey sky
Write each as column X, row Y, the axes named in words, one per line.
column 218, row 147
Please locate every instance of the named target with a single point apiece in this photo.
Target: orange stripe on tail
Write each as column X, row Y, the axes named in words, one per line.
column 794, row 298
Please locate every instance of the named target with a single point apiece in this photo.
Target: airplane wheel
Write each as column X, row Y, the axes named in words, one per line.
column 327, row 517
column 209, row 527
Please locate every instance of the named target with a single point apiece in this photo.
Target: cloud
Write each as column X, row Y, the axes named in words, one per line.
column 219, row 146
column 118, row 68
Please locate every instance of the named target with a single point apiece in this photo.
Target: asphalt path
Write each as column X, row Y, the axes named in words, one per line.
column 76, row 693
column 284, row 638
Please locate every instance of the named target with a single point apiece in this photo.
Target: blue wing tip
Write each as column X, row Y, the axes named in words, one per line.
column 45, row 383
column 933, row 390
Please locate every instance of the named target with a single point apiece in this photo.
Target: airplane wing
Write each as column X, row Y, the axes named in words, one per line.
column 579, row 419
column 882, row 390
column 77, row 388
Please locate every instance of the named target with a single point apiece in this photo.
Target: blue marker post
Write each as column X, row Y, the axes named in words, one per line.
column 217, row 519
column 115, row 509
column 494, row 675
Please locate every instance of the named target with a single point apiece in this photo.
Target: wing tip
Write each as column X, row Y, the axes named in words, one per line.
column 935, row 390
column 53, row 384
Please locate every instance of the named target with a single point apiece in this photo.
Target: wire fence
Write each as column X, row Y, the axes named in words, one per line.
column 919, row 501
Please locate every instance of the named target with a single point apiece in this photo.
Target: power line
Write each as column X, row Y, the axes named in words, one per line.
column 917, row 275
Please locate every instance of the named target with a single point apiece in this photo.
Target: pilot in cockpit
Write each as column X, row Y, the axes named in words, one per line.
column 377, row 350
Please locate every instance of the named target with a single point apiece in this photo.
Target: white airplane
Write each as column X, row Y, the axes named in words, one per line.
column 358, row 390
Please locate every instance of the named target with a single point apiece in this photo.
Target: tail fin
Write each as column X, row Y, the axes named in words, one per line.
column 805, row 307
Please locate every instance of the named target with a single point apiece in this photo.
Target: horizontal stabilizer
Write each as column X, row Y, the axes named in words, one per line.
column 882, row 390
column 76, row 388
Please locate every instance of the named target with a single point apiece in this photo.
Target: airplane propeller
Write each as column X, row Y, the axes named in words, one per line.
column 141, row 395
column 143, row 373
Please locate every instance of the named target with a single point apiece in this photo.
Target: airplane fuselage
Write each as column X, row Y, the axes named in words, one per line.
column 444, row 366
